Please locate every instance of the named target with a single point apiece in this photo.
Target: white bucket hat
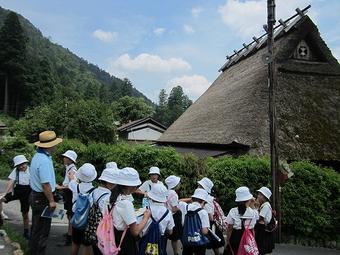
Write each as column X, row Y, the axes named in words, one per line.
column 109, row 175
column 128, row 177
column 158, row 193
column 206, row 184
column 71, row 155
column 154, row 170
column 86, row 173
column 201, row 194
column 112, row 165
column 18, row 160
column 266, row 192
column 243, row 194
column 172, row 181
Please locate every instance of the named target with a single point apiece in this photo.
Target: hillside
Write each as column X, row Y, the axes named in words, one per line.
column 53, row 71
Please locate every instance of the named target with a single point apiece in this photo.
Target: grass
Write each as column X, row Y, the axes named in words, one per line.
column 16, row 237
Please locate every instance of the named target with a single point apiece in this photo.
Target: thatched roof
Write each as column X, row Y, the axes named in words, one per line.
column 148, row 120
column 235, row 107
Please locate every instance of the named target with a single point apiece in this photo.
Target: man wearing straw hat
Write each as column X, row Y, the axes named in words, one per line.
column 42, row 181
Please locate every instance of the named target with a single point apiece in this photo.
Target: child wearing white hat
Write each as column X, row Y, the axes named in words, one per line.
column 158, row 196
column 85, row 176
column 69, row 160
column 264, row 239
column 173, row 183
column 199, row 199
column 18, row 188
column 101, row 195
column 154, row 174
column 123, row 212
column 238, row 217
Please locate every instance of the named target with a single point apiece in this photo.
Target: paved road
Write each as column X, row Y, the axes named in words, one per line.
column 60, row 227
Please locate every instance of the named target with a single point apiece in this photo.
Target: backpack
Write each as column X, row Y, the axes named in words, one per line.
column 192, row 236
column 248, row 244
column 153, row 242
column 95, row 216
column 219, row 217
column 272, row 225
column 106, row 235
column 81, row 213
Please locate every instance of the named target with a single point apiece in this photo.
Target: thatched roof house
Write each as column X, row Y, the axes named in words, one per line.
column 232, row 115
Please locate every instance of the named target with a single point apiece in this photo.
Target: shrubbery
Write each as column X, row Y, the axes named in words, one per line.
column 310, row 199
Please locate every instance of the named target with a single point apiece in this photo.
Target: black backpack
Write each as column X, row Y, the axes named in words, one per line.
column 272, row 225
column 95, row 216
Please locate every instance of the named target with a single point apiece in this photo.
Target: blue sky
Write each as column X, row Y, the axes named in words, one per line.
column 164, row 43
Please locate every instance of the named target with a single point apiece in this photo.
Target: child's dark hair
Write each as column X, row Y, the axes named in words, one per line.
column 116, row 191
column 241, row 207
column 194, row 199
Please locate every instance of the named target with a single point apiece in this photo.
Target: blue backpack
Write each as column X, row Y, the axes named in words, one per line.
column 153, row 243
column 192, row 236
column 82, row 209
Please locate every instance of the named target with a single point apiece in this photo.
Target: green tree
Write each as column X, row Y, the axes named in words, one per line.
column 178, row 102
column 131, row 108
column 12, row 63
column 161, row 111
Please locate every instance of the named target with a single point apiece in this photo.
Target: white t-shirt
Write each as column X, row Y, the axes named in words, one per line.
column 104, row 200
column 266, row 212
column 147, row 185
column 172, row 200
column 234, row 218
column 203, row 214
column 123, row 213
column 24, row 176
column 69, row 168
column 157, row 211
column 83, row 188
column 209, row 206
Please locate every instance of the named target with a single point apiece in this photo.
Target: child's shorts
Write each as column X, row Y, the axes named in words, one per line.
column 21, row 193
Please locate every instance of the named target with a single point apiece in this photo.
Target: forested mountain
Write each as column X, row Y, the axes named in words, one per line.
column 48, row 71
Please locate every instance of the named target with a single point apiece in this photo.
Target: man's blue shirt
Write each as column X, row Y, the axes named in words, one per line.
column 42, row 171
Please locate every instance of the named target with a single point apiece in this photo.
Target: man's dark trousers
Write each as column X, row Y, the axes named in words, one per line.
column 40, row 226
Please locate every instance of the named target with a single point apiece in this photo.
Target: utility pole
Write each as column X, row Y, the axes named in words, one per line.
column 272, row 81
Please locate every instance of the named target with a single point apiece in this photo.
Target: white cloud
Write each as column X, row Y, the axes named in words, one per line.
column 246, row 18
column 159, row 30
column 193, row 85
column 196, row 11
column 188, row 29
column 148, row 63
column 105, row 36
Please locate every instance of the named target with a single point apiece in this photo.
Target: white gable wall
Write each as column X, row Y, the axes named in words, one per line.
column 144, row 134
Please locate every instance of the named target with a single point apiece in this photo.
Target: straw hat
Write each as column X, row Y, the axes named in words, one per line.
column 18, row 160
column 48, row 139
column 158, row 193
column 72, row 155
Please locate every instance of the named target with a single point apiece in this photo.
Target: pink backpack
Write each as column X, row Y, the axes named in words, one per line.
column 106, row 236
column 248, row 244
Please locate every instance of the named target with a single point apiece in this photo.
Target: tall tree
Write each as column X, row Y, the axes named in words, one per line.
column 178, row 102
column 161, row 112
column 12, row 63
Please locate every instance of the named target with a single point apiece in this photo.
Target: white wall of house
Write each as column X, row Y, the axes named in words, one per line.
column 144, row 134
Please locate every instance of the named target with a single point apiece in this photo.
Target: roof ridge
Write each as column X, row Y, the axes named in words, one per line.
column 258, row 42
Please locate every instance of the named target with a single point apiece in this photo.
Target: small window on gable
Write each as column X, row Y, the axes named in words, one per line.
column 304, row 51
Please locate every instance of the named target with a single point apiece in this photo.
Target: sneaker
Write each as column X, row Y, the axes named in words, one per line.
column 4, row 216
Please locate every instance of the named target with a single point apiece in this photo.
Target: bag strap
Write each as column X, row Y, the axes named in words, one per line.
column 78, row 191
column 122, row 238
column 162, row 218
column 17, row 175
column 101, row 197
column 90, row 190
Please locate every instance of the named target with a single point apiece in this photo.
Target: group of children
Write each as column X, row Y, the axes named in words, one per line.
column 196, row 222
